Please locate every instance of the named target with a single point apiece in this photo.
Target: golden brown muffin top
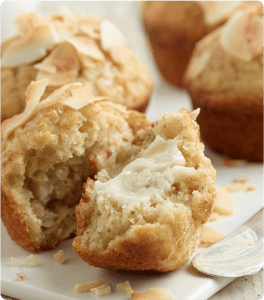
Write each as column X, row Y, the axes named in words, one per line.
column 231, row 58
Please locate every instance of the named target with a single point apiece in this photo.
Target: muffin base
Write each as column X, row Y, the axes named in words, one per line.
column 231, row 125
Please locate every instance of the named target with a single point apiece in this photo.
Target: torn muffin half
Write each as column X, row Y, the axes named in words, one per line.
column 46, row 159
column 147, row 211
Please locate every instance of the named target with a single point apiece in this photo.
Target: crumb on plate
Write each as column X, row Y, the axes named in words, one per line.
column 13, row 261
column 102, row 290
column 59, row 257
column 31, row 261
column 250, row 189
column 126, row 287
column 21, row 276
column 87, row 286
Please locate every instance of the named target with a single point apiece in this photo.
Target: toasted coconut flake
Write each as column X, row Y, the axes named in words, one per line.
column 126, row 287
column 242, row 36
column 65, row 59
column 89, row 32
column 224, row 203
column 120, row 55
column 251, row 189
column 80, row 99
column 210, row 236
column 45, row 67
column 87, row 286
column 5, row 44
column 214, row 216
column 215, row 12
column 27, row 21
column 234, row 187
column 92, row 22
column 59, row 78
column 101, row 290
column 234, row 162
column 64, row 10
column 241, row 180
column 153, row 294
column 111, row 36
column 31, row 48
column 86, row 46
column 57, row 95
column 33, row 94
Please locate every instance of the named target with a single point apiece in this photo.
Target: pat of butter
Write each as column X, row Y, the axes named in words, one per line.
column 147, row 177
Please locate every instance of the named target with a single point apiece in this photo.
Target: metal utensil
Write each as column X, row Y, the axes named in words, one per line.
column 238, row 254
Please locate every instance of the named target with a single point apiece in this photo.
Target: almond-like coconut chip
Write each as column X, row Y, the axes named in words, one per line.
column 30, row 48
column 111, row 36
column 126, row 287
column 153, row 294
column 87, row 286
column 217, row 11
column 33, row 94
column 74, row 95
column 210, row 236
column 86, row 46
column 57, row 95
column 242, row 36
column 224, row 203
column 65, row 59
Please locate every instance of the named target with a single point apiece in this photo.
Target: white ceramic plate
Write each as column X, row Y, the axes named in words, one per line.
column 53, row 281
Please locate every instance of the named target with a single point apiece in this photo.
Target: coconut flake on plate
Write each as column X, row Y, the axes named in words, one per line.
column 224, row 203
column 210, row 236
column 154, row 294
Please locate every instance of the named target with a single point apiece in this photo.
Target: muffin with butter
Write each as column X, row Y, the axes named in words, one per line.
column 46, row 153
column 174, row 27
column 147, row 211
column 225, row 79
column 67, row 49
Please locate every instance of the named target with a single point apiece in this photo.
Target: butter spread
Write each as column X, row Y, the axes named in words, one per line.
column 147, row 177
column 239, row 254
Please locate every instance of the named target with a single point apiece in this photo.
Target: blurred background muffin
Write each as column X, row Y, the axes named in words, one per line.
column 225, row 79
column 68, row 49
column 173, row 28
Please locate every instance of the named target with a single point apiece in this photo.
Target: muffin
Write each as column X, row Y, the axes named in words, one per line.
column 225, row 79
column 147, row 212
column 174, row 27
column 69, row 49
column 46, row 159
